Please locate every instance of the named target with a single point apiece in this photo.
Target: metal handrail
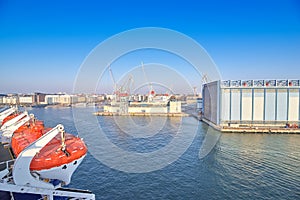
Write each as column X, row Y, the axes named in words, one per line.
column 7, row 163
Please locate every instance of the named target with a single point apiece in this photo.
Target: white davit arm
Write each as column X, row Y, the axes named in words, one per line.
column 8, row 131
column 21, row 170
column 13, row 120
column 7, row 112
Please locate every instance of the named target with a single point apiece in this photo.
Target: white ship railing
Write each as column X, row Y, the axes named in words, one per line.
column 7, row 184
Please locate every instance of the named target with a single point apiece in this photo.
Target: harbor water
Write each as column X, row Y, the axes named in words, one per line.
column 240, row 166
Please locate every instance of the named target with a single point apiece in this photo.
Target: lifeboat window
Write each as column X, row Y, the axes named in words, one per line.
column 75, row 162
column 64, row 167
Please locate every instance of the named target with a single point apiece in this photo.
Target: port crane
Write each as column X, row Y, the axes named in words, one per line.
column 151, row 90
column 122, row 93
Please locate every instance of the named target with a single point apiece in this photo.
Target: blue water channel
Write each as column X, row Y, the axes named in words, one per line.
column 239, row 166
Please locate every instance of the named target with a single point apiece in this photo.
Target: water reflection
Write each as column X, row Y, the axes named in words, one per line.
column 240, row 166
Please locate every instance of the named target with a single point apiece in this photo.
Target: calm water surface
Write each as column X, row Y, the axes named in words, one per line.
column 240, row 166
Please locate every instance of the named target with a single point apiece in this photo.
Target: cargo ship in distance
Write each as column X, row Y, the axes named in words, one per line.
column 36, row 161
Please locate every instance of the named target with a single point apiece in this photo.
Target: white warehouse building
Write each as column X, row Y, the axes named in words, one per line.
column 255, row 102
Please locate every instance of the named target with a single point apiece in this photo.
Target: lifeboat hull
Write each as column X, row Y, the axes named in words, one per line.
column 62, row 173
column 51, row 162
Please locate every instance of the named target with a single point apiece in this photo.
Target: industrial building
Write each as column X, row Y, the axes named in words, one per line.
column 252, row 103
column 145, row 107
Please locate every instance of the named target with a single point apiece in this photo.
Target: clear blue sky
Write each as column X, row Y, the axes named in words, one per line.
column 42, row 44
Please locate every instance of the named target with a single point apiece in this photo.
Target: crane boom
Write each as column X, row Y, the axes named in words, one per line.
column 112, row 78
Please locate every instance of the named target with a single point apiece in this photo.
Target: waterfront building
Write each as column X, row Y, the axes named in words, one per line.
column 175, row 107
column 239, row 103
column 65, row 99
column 160, row 103
column 27, row 99
column 52, row 99
column 110, row 96
column 40, row 98
column 10, row 99
column 145, row 107
column 191, row 99
column 1, row 98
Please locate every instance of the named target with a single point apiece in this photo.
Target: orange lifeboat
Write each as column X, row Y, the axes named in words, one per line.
column 9, row 118
column 55, row 160
column 51, row 155
column 35, row 125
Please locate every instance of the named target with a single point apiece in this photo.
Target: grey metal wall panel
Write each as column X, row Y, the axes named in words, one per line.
column 211, row 101
column 258, row 103
column 206, row 103
column 225, row 104
column 270, row 105
column 282, row 105
column 293, row 105
column 246, row 105
column 235, row 104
